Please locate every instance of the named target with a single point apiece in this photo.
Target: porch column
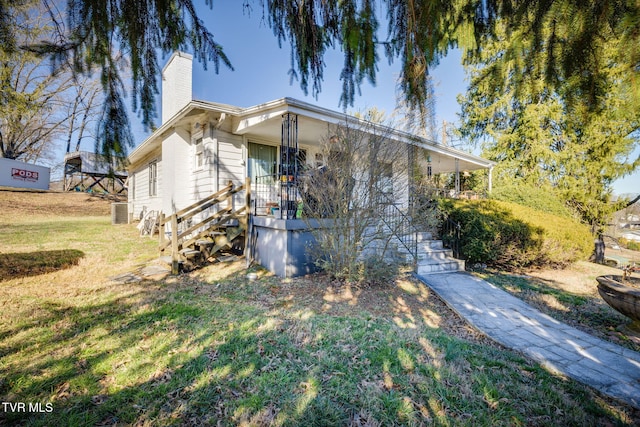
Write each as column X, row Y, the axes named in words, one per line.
column 412, row 181
column 289, row 168
column 490, row 180
column 457, row 176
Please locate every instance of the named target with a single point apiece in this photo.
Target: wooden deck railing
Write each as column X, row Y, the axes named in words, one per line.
column 185, row 238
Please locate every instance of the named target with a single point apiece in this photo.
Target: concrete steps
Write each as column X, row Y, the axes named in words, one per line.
column 451, row 265
column 432, row 256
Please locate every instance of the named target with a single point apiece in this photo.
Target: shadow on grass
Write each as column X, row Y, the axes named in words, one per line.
column 587, row 312
column 24, row 264
column 182, row 353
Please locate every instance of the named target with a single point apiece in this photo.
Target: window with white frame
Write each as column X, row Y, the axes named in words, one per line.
column 199, row 159
column 153, row 178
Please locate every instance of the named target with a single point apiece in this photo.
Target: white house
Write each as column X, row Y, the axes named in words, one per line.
column 202, row 145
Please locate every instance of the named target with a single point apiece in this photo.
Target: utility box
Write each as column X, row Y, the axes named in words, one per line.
column 119, row 213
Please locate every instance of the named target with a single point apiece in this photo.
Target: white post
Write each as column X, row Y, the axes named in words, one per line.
column 457, row 176
column 490, row 179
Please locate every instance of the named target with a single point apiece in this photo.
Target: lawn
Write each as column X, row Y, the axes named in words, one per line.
column 571, row 296
column 213, row 348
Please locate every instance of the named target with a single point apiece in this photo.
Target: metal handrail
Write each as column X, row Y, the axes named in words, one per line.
column 405, row 230
column 450, row 232
column 275, row 191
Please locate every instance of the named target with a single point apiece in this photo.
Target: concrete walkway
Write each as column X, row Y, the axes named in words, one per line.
column 609, row 368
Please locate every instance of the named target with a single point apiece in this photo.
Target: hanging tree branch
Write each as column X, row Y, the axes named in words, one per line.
column 419, row 33
column 100, row 32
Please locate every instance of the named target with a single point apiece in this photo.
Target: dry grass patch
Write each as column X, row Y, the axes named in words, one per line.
column 570, row 295
column 26, row 204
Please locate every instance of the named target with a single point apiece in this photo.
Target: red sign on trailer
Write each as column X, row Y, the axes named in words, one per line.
column 24, row 175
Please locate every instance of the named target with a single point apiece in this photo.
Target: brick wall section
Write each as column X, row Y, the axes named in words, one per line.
column 176, row 84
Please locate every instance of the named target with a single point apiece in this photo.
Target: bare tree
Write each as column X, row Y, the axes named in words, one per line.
column 39, row 107
column 363, row 173
column 83, row 112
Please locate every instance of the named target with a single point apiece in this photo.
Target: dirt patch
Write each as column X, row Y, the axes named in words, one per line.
column 579, row 278
column 406, row 301
column 54, row 203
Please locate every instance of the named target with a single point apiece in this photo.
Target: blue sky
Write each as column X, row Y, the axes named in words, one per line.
column 261, row 68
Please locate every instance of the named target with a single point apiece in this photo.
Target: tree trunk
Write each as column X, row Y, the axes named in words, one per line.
column 599, row 246
column 598, row 252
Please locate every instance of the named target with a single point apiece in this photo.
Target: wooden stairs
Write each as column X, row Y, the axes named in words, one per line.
column 191, row 244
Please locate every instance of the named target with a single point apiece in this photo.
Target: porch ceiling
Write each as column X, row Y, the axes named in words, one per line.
column 442, row 163
column 310, row 131
column 313, row 132
column 315, row 125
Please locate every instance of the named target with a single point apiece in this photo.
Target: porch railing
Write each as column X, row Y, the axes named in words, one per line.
column 275, row 195
column 450, row 233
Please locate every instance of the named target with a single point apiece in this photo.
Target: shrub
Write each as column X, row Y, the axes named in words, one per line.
column 632, row 245
column 511, row 236
column 541, row 198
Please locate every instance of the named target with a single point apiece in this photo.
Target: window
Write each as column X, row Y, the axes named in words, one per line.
column 292, row 162
column 199, row 153
column 385, row 179
column 262, row 161
column 153, row 178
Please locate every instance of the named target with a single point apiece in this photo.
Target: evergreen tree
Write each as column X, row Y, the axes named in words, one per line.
column 539, row 134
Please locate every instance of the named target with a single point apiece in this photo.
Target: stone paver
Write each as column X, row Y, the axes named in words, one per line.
column 609, row 368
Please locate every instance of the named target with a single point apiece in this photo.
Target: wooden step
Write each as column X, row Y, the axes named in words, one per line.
column 226, row 241
column 190, row 253
column 205, row 247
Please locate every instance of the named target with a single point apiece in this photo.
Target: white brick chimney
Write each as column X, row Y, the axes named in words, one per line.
column 176, row 84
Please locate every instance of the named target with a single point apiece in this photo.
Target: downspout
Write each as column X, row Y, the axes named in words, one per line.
column 457, row 175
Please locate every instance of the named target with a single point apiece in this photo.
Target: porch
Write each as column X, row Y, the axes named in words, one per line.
column 280, row 171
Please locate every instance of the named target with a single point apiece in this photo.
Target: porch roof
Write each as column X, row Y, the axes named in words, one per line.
column 264, row 121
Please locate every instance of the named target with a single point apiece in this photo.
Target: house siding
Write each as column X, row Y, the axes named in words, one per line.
column 204, row 177
column 231, row 162
column 143, row 202
column 177, row 189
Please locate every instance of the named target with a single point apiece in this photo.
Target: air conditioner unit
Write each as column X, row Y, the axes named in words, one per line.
column 119, row 213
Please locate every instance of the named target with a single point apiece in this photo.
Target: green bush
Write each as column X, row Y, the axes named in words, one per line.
column 630, row 244
column 541, row 198
column 511, row 236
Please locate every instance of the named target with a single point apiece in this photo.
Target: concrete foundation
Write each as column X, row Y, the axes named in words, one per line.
column 284, row 246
